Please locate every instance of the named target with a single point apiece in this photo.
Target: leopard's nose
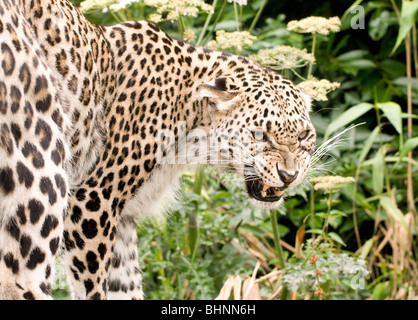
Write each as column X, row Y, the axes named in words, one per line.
column 286, row 177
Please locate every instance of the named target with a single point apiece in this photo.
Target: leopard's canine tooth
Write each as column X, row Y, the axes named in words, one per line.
column 265, row 187
column 278, row 193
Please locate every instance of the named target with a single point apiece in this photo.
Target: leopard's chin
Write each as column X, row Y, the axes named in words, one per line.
column 262, row 195
column 265, row 205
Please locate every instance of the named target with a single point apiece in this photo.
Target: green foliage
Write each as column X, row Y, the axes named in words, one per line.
column 407, row 21
column 170, row 269
column 340, row 276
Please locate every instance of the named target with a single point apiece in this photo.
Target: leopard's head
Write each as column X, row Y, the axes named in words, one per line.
column 260, row 127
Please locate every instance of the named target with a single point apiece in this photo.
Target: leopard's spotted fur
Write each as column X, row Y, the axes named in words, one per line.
column 81, row 111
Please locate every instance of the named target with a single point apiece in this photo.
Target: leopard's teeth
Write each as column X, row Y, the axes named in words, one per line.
column 265, row 187
column 278, row 193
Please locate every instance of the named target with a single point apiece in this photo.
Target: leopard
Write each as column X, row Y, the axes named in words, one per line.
column 97, row 123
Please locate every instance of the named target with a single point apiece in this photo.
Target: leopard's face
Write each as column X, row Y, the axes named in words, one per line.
column 265, row 134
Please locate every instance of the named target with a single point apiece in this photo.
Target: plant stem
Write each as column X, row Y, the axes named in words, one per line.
column 415, row 51
column 286, row 73
column 115, row 16
column 312, row 211
column 141, row 10
column 277, row 244
column 257, row 16
column 325, row 226
column 181, row 26
column 385, row 169
column 221, row 11
column 205, row 26
column 241, row 11
column 193, row 222
column 395, row 8
column 410, row 189
column 279, row 249
column 160, row 257
column 313, row 53
column 193, row 235
column 356, row 230
column 236, row 16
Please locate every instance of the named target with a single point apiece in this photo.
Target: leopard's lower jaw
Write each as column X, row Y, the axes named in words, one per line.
column 266, row 205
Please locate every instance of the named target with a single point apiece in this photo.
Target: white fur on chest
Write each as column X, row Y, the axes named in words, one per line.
column 157, row 196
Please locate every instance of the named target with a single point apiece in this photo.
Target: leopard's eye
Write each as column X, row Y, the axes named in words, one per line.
column 265, row 138
column 257, row 135
column 303, row 135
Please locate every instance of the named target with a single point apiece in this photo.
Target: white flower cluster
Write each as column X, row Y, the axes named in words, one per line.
column 226, row 40
column 189, row 35
column 283, row 57
column 121, row 4
column 240, row 2
column 93, row 5
column 318, row 89
column 315, row 25
column 174, row 9
column 330, row 183
column 166, row 9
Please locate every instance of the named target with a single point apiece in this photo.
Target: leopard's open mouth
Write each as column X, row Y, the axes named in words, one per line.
column 262, row 192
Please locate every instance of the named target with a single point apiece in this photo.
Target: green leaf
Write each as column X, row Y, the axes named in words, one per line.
column 361, row 64
column 391, row 159
column 255, row 230
column 366, row 248
column 352, row 55
column 336, row 218
column 403, row 81
column 378, row 172
column 283, row 230
column 407, row 116
column 394, row 68
column 409, row 145
column 378, row 292
column 368, row 144
column 393, row 112
column 337, row 213
column 392, row 210
column 322, row 215
column 336, row 238
column 352, row 67
column 316, row 231
column 380, row 22
column 346, row 117
column 404, row 159
column 353, row 61
column 221, row 195
column 355, row 4
column 408, row 11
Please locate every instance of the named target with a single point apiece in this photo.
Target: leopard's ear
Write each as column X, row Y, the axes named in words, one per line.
column 216, row 91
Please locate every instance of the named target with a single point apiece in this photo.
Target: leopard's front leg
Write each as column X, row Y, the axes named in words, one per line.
column 89, row 236
column 125, row 279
